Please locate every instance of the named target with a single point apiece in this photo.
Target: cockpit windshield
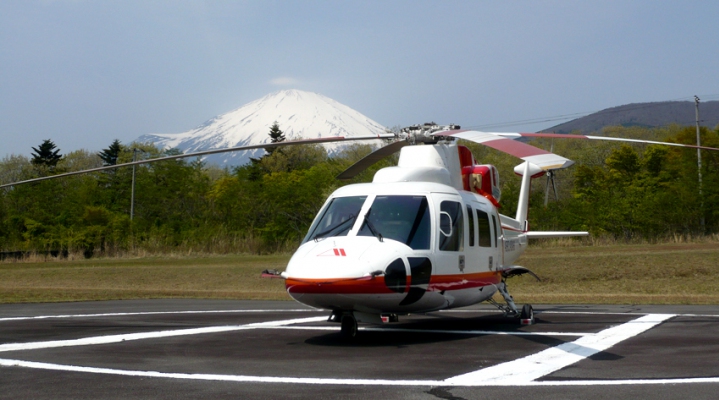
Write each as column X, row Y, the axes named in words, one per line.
column 338, row 218
column 401, row 218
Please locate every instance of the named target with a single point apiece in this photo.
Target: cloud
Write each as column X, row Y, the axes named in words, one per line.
column 284, row 81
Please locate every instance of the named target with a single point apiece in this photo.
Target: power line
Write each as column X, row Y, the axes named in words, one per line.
column 584, row 114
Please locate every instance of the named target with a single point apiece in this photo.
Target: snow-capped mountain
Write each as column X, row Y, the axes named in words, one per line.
column 299, row 114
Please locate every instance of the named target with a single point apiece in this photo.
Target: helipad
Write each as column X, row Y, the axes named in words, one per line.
column 182, row 348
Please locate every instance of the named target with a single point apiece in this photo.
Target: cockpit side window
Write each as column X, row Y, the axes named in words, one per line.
column 451, row 222
column 337, row 218
column 470, row 218
column 496, row 229
column 485, row 236
column 401, row 218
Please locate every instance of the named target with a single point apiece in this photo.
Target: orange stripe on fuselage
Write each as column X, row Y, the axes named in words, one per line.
column 463, row 281
column 337, row 286
column 376, row 285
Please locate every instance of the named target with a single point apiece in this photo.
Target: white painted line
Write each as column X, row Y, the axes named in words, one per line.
column 659, row 381
column 697, row 315
column 538, row 312
column 443, row 331
column 125, row 314
column 514, row 333
column 217, row 377
column 535, row 366
column 521, row 372
column 150, row 335
column 333, row 381
column 628, row 314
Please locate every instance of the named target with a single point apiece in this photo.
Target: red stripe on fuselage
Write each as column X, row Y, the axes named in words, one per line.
column 337, row 286
column 377, row 286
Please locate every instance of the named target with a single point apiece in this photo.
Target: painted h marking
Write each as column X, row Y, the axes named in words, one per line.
column 521, row 372
column 535, row 366
column 151, row 335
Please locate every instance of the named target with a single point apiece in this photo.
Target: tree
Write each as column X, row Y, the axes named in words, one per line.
column 293, row 157
column 79, row 160
column 256, row 168
column 276, row 136
column 46, row 155
column 14, row 168
column 109, row 155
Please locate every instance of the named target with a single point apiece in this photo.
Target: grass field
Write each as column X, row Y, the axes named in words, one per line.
column 685, row 273
column 617, row 274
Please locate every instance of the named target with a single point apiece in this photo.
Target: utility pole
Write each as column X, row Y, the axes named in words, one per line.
column 699, row 166
column 132, row 195
column 550, row 179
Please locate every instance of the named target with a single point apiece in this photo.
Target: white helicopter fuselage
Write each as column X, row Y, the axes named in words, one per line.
column 411, row 241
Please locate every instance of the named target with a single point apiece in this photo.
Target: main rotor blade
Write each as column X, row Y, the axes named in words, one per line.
column 542, row 158
column 371, row 159
column 608, row 138
column 207, row 152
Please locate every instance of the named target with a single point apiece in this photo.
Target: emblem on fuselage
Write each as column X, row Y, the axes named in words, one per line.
column 333, row 253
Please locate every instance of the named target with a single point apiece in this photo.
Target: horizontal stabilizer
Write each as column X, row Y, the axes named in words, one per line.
column 554, row 234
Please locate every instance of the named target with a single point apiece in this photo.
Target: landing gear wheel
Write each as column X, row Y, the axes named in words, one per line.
column 349, row 326
column 527, row 315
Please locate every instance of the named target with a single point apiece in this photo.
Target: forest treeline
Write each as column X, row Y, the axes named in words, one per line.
column 625, row 192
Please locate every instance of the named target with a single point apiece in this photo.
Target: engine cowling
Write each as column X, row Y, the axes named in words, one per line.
column 480, row 179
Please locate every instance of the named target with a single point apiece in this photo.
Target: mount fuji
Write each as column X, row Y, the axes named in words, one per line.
column 299, row 114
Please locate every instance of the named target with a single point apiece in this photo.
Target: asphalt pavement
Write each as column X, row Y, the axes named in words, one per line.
column 217, row 349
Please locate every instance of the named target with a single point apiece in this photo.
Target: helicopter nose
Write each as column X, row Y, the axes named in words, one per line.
column 339, row 258
column 364, row 274
column 362, row 265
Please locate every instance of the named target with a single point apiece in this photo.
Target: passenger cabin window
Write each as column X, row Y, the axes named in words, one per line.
column 485, row 236
column 470, row 218
column 337, row 218
column 451, row 237
column 496, row 229
column 401, row 218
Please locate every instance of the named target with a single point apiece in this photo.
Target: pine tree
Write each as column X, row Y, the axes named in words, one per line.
column 276, row 136
column 109, row 155
column 46, row 155
column 255, row 168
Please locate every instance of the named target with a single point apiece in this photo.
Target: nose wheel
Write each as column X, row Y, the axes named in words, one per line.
column 526, row 317
column 348, row 326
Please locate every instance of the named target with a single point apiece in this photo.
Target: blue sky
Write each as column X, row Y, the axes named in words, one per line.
column 83, row 73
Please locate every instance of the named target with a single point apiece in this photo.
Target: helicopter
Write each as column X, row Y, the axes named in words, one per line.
column 424, row 235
